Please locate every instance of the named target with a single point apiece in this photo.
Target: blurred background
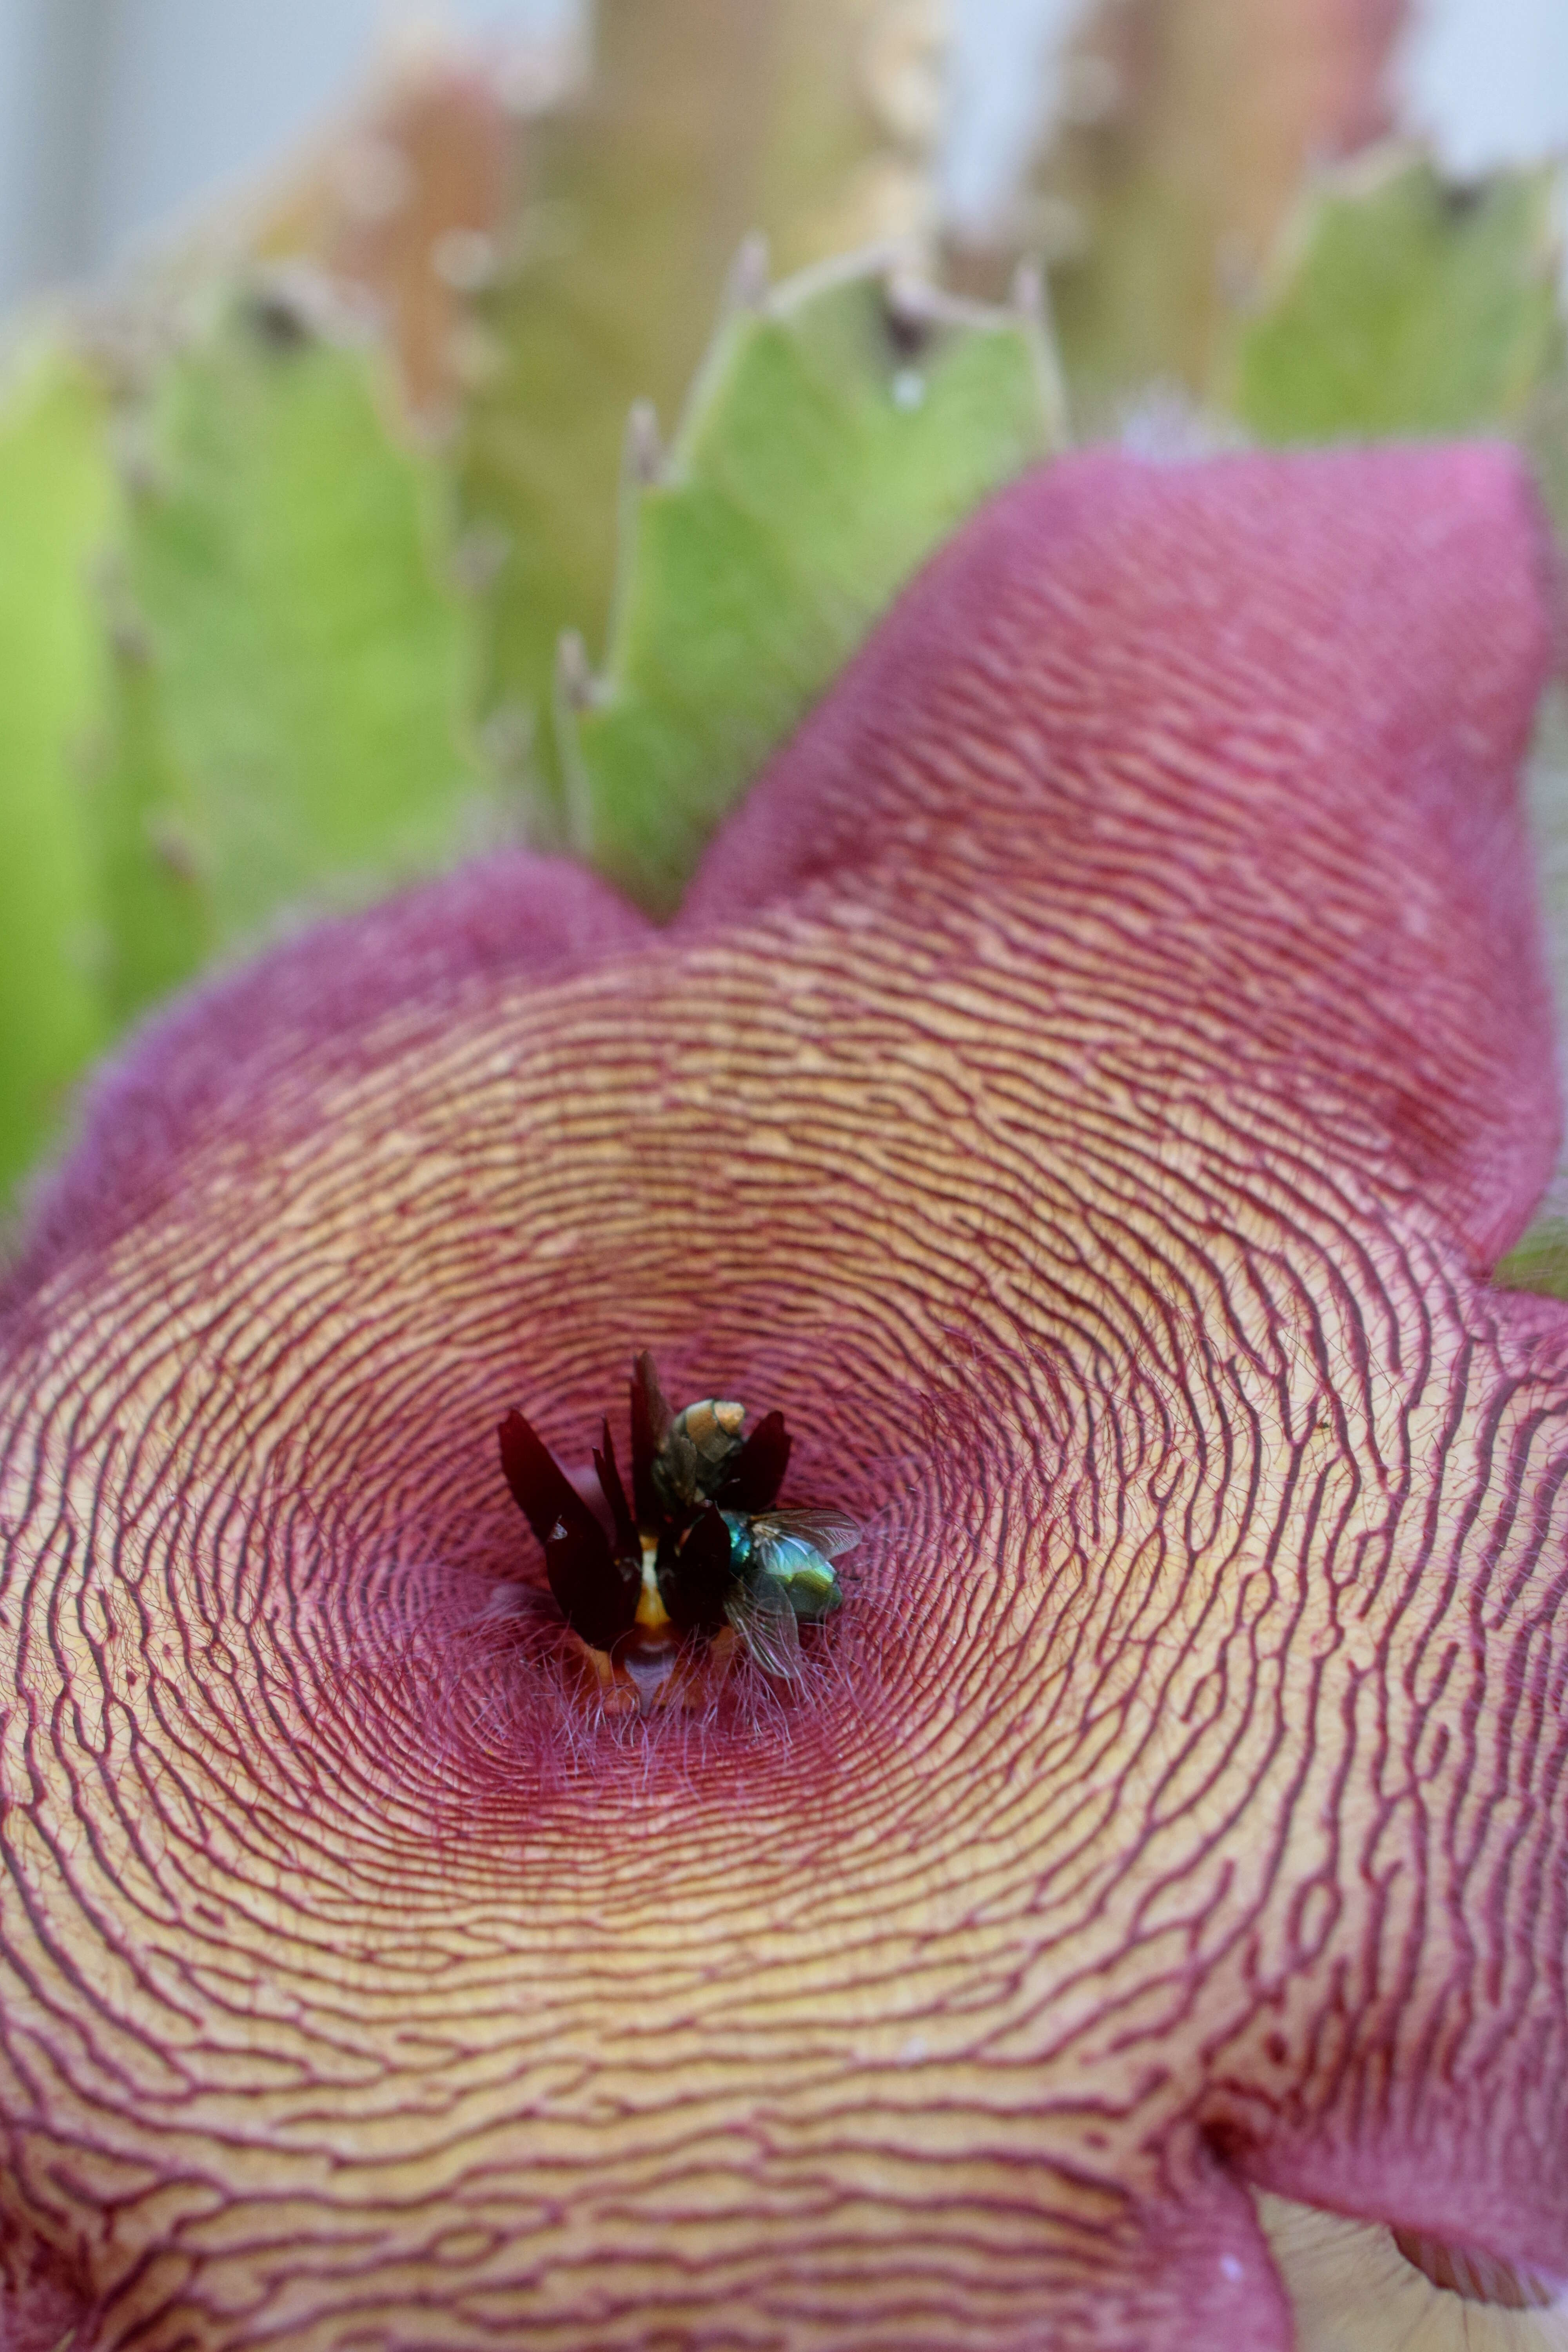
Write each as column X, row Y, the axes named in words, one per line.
column 407, row 445
column 118, row 116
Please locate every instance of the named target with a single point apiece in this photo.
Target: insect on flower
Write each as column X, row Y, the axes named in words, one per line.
column 700, row 1549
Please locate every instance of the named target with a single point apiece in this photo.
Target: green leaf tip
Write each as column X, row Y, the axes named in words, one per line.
column 1406, row 302
column 841, row 427
column 304, row 691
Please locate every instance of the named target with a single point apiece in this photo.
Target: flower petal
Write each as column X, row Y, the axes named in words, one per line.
column 1247, row 734
column 232, row 1046
column 1050, row 1105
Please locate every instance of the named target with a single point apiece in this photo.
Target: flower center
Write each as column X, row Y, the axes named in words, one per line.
column 699, row 1568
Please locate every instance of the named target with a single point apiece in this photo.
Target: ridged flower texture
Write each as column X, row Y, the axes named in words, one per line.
column 1084, row 1092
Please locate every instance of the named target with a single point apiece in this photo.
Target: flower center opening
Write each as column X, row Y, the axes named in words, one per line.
column 699, row 1571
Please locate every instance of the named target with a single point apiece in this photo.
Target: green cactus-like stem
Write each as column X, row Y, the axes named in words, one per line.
column 56, row 497
column 702, row 123
column 840, row 430
column 311, row 662
column 1403, row 302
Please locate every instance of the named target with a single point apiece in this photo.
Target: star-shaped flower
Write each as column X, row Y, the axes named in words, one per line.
column 1084, row 1092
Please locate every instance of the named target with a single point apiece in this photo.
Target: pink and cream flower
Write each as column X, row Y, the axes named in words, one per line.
column 1084, row 1092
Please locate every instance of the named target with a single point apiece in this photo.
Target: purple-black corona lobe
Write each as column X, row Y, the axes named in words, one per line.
column 1083, row 1092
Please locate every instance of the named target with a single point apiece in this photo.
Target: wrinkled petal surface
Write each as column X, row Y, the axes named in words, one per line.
column 1084, row 1091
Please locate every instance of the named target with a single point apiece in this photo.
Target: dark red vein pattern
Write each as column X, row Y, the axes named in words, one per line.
column 1084, row 1092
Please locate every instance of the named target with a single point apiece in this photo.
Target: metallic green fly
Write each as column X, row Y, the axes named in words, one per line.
column 783, row 1569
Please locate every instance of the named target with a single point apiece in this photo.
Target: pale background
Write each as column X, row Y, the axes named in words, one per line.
column 116, row 116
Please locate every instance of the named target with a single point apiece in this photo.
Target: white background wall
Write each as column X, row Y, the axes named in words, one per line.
column 115, row 115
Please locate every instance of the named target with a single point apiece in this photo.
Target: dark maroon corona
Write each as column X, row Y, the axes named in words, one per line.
column 703, row 1553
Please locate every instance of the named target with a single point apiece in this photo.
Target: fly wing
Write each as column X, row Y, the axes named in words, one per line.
column 807, row 1578
column 676, row 1471
column 828, row 1532
column 761, row 1615
column 710, row 1426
